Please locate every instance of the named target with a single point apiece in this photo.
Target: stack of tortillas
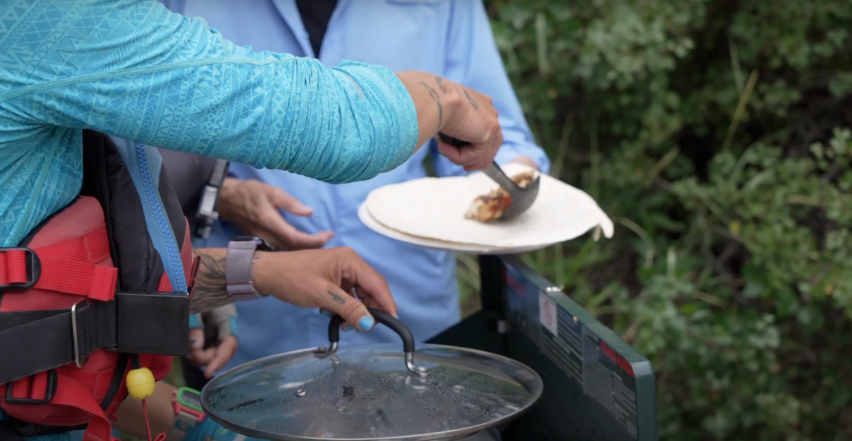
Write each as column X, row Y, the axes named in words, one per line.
column 431, row 212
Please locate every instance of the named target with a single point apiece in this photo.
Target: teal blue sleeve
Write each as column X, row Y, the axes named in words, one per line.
column 209, row 430
column 132, row 69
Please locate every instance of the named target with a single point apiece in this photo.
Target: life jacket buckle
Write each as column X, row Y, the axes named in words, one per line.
column 21, row 268
column 79, row 361
column 49, row 390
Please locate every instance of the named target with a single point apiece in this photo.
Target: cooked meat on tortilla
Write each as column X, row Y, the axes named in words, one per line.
column 492, row 206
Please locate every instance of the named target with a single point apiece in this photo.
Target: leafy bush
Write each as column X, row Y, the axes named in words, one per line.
column 716, row 135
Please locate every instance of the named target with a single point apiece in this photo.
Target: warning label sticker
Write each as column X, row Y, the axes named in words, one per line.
column 561, row 337
column 547, row 314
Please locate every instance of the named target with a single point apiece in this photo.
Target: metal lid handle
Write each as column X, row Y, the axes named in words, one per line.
column 387, row 320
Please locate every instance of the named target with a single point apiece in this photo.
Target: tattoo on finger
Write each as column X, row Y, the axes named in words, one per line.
column 337, row 298
column 472, row 102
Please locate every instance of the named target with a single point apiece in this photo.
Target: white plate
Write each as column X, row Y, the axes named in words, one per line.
column 368, row 220
column 430, row 212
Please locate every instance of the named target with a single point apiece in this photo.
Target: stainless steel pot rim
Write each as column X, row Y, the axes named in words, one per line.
column 449, row 435
column 458, row 434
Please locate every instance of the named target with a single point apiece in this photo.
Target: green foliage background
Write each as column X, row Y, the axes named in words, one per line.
column 715, row 133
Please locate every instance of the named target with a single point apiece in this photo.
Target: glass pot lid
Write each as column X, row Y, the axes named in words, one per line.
column 371, row 392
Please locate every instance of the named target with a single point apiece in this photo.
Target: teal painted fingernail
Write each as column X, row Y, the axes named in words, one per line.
column 366, row 323
column 347, row 327
column 325, row 313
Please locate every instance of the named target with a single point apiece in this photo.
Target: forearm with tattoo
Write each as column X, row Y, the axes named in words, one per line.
column 434, row 94
column 210, row 285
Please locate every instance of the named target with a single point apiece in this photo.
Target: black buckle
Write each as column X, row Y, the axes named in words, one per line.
column 33, row 269
column 50, row 391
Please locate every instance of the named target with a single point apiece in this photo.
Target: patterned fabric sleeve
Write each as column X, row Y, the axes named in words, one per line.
column 132, row 69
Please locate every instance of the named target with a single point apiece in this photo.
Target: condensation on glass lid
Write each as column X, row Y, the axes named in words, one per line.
column 366, row 392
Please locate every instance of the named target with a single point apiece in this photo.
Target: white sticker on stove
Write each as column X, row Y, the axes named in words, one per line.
column 547, row 313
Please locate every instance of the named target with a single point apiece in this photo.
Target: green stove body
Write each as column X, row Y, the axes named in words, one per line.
column 596, row 387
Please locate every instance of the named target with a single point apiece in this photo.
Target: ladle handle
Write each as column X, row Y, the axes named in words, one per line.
column 381, row 317
column 455, row 142
column 493, row 171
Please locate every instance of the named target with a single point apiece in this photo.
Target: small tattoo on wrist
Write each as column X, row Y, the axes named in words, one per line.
column 434, row 94
column 440, row 84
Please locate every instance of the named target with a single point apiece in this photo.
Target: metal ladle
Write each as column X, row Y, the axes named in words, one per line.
column 522, row 198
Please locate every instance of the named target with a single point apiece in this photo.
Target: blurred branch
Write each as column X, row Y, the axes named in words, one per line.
column 797, row 199
column 634, row 227
column 735, row 64
column 663, row 163
column 630, row 333
column 709, row 298
column 562, row 148
column 541, row 43
column 595, row 159
column 740, row 112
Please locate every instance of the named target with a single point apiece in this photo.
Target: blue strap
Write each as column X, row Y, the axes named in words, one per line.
column 144, row 165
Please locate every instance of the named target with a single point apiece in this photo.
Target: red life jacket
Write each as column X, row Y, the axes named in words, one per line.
column 80, row 303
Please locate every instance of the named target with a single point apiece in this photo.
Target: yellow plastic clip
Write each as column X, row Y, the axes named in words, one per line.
column 140, row 383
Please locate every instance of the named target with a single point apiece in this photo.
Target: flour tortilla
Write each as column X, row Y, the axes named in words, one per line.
column 434, row 244
column 434, row 208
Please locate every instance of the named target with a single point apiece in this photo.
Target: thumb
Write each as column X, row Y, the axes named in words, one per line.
column 281, row 199
column 351, row 309
column 196, row 338
column 224, row 353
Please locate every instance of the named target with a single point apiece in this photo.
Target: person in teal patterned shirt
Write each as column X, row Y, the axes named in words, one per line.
column 133, row 70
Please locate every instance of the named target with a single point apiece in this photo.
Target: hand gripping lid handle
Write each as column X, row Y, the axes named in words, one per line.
column 389, row 321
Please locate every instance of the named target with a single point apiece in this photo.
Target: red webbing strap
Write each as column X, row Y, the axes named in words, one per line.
column 33, row 387
column 67, row 267
column 13, row 267
column 72, row 394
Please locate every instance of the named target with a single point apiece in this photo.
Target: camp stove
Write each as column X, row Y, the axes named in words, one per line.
column 532, row 365
column 596, row 387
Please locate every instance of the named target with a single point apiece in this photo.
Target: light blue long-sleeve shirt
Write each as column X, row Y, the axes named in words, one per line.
column 451, row 38
column 132, row 69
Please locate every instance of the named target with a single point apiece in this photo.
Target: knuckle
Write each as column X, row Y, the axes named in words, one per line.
column 348, row 252
column 265, row 218
column 351, row 308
